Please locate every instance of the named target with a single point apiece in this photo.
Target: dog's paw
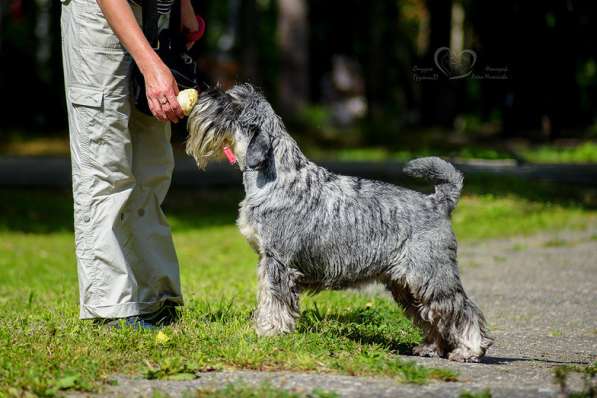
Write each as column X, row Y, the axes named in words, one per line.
column 426, row 350
column 268, row 331
column 463, row 355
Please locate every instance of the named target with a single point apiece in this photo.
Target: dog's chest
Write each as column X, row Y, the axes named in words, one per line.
column 248, row 230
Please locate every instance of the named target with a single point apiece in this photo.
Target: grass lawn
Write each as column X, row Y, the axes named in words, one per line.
column 44, row 348
column 584, row 152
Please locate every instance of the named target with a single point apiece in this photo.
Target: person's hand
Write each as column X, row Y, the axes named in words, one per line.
column 161, row 90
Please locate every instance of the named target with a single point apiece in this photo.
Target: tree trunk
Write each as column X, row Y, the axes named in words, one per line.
column 294, row 56
column 437, row 96
column 248, row 42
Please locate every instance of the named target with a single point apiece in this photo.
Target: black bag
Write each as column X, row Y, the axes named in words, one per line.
column 170, row 46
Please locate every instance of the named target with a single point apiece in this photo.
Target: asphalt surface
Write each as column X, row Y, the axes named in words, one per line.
column 54, row 172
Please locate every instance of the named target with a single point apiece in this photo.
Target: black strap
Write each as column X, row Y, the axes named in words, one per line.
column 175, row 19
column 171, row 50
column 150, row 18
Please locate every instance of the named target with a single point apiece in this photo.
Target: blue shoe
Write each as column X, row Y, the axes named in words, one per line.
column 135, row 322
column 162, row 317
column 165, row 316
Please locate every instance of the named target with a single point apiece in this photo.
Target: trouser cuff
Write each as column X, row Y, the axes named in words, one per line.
column 125, row 310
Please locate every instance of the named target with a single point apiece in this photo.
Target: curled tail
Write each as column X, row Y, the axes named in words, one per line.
column 447, row 180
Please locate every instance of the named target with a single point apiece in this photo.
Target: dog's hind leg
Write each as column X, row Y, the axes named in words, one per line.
column 458, row 324
column 432, row 345
column 466, row 329
column 277, row 298
column 428, row 284
column 449, row 318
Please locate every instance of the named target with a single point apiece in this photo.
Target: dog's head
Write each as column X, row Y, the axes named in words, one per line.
column 240, row 118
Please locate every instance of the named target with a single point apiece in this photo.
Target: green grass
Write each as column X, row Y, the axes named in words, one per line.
column 580, row 153
column 42, row 343
column 490, row 216
column 45, row 349
column 588, row 373
column 583, row 153
column 381, row 154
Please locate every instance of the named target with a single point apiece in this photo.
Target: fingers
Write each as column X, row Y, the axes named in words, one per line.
column 163, row 110
column 156, row 109
column 175, row 106
column 161, row 95
column 170, row 113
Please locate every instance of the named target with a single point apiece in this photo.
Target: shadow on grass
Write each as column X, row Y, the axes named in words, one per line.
column 221, row 310
column 380, row 326
column 567, row 195
column 45, row 211
column 536, row 191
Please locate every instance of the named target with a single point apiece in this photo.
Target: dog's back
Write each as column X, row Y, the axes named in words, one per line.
column 339, row 231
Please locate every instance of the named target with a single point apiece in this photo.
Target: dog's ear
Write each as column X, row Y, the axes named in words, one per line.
column 258, row 148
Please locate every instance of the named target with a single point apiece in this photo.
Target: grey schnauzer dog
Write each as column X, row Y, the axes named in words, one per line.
column 316, row 230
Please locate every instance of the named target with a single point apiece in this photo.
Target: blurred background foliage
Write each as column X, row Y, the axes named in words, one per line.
column 366, row 77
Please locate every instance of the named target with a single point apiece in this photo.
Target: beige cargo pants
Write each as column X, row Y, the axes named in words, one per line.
column 122, row 164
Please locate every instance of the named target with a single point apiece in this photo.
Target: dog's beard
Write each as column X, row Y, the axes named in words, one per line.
column 207, row 134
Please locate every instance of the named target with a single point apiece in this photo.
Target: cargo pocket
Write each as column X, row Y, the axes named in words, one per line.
column 86, row 96
column 104, row 137
column 87, row 106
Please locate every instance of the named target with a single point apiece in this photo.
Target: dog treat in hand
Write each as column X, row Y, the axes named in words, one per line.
column 187, row 100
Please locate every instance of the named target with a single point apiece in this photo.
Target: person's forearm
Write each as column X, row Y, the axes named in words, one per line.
column 125, row 26
column 188, row 15
column 160, row 86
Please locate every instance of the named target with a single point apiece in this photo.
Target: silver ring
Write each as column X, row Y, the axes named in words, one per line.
column 164, row 101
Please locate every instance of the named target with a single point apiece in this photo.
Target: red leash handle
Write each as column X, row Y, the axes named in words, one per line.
column 192, row 37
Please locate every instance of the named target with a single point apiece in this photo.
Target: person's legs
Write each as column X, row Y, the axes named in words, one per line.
column 153, row 164
column 125, row 256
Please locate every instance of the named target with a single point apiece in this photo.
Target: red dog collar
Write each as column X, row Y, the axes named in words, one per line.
column 230, row 155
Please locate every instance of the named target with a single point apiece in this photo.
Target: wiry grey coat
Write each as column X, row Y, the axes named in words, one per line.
column 317, row 230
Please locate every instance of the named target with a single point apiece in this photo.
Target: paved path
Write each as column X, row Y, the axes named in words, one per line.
column 55, row 172
column 540, row 297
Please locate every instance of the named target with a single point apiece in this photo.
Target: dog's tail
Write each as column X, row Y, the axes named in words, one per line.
column 447, row 180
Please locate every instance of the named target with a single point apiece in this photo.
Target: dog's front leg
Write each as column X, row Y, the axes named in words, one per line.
column 277, row 298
